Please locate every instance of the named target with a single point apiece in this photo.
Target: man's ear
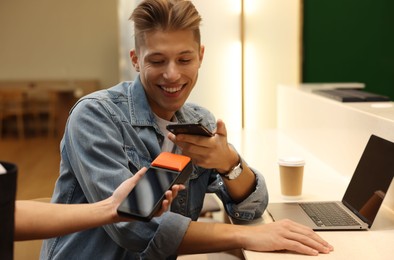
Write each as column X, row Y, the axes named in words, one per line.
column 201, row 54
column 134, row 60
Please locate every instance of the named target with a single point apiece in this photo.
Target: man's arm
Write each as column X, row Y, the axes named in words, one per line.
column 202, row 237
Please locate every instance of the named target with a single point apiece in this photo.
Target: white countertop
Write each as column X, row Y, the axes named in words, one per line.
column 261, row 150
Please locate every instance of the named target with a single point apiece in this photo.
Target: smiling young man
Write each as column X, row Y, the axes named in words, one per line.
column 112, row 133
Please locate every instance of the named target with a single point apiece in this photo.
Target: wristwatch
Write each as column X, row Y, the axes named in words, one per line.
column 235, row 171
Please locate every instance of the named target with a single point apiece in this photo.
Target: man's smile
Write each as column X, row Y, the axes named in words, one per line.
column 172, row 89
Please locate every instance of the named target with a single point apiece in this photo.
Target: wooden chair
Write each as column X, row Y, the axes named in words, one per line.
column 42, row 106
column 12, row 105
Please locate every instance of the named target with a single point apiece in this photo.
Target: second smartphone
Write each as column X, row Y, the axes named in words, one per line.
column 189, row 129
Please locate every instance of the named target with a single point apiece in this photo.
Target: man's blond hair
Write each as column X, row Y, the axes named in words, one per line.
column 165, row 15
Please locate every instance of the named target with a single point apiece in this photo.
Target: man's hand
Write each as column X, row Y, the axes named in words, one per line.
column 286, row 235
column 208, row 152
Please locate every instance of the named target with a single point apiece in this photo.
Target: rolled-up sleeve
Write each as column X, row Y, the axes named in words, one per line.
column 250, row 208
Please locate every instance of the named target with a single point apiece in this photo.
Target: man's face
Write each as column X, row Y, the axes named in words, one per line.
column 168, row 63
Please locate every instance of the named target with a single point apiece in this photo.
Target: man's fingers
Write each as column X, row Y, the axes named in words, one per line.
column 306, row 245
column 170, row 196
column 304, row 240
column 220, row 128
column 312, row 236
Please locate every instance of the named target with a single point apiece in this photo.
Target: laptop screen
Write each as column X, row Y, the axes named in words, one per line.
column 371, row 179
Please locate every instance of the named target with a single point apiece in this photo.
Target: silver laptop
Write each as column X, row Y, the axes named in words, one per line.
column 362, row 199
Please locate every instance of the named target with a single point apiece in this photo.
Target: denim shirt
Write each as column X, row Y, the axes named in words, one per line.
column 111, row 134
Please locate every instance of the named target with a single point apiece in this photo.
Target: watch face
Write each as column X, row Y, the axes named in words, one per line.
column 235, row 172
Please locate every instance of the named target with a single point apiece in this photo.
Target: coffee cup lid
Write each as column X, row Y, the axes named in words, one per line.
column 291, row 161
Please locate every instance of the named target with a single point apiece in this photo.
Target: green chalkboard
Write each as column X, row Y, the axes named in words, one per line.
column 349, row 41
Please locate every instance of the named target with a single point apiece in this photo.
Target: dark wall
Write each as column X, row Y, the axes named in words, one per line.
column 350, row 41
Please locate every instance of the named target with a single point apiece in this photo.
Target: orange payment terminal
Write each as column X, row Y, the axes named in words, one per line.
column 171, row 161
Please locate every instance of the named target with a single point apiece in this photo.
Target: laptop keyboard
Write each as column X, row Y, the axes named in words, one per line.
column 328, row 214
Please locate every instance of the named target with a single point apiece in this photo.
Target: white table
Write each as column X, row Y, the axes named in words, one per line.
column 321, row 182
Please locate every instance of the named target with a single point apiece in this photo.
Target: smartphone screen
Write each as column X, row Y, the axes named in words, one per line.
column 146, row 197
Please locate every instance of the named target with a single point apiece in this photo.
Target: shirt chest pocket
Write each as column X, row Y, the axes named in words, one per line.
column 135, row 160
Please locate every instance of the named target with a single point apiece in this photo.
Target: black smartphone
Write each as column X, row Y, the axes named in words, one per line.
column 190, row 129
column 144, row 201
